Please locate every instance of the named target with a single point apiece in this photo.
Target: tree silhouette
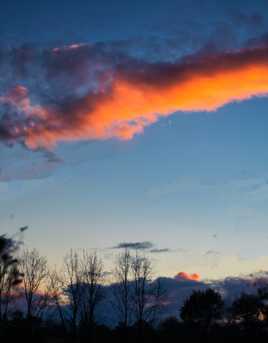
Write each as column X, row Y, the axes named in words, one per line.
column 10, row 276
column 142, row 272
column 91, row 290
column 55, row 291
column 122, row 289
column 34, row 268
column 202, row 307
column 82, row 282
column 72, row 283
column 247, row 307
column 263, row 298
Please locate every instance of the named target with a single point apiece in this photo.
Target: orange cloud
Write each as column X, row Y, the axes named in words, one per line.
column 140, row 94
column 186, row 276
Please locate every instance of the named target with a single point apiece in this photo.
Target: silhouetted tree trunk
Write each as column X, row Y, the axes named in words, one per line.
column 55, row 290
column 34, row 268
column 142, row 271
column 157, row 294
column 92, row 277
column 72, row 283
column 122, row 288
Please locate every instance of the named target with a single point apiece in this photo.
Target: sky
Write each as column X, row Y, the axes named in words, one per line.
column 134, row 122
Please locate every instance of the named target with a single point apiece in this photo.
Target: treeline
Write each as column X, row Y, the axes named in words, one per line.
column 61, row 305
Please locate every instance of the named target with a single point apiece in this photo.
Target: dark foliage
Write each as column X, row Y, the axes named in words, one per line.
column 202, row 307
column 247, row 307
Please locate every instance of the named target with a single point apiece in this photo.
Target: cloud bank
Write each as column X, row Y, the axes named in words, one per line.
column 85, row 92
column 178, row 289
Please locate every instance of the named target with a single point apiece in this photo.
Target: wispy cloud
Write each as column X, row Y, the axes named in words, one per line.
column 26, row 165
column 212, row 253
column 160, row 251
column 146, row 245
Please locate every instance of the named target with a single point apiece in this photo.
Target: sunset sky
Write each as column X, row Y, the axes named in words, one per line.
column 137, row 122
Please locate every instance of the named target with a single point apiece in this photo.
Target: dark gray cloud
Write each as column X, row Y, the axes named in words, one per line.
column 134, row 245
column 159, row 251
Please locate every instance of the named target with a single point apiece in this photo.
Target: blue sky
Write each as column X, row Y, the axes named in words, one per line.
column 194, row 183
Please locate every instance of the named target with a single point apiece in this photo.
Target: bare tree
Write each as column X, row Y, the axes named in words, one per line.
column 34, row 268
column 122, row 287
column 92, row 277
column 55, row 291
column 83, row 278
column 156, row 294
column 142, row 272
column 72, row 283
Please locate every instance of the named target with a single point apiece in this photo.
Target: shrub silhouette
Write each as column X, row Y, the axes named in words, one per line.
column 202, row 307
column 247, row 307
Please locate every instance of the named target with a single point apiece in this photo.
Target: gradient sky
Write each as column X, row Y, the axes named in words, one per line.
column 193, row 183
